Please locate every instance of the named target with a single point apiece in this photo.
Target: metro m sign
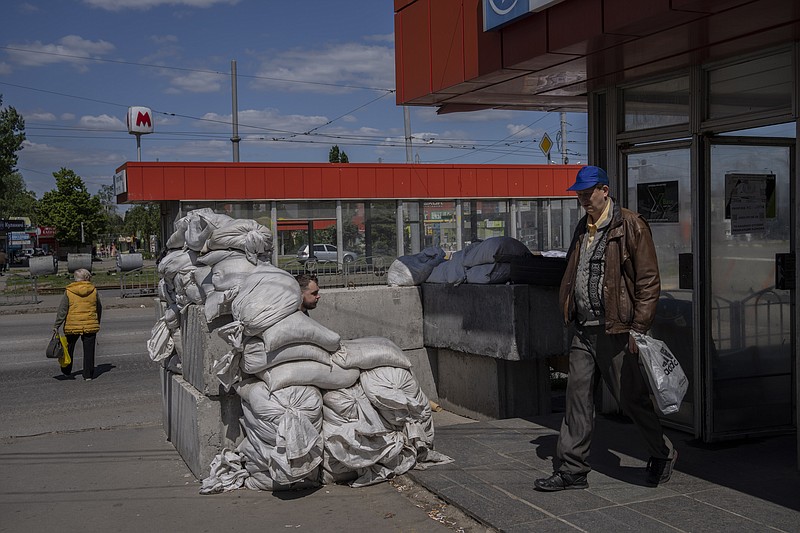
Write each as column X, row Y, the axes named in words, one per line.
column 140, row 120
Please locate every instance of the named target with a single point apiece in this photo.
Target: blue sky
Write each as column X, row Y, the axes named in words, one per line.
column 311, row 74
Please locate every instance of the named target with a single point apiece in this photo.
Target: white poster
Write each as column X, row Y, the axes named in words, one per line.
column 746, row 201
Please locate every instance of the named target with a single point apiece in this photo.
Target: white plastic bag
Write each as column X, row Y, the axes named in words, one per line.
column 667, row 379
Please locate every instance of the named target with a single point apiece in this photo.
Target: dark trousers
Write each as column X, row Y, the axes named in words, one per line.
column 593, row 355
column 88, row 352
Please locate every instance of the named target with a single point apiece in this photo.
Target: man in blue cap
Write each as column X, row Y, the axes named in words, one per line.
column 610, row 288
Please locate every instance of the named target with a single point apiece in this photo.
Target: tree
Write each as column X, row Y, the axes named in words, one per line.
column 337, row 156
column 12, row 134
column 114, row 222
column 18, row 201
column 72, row 210
column 143, row 220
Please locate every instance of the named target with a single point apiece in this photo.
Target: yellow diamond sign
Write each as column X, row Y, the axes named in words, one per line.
column 545, row 145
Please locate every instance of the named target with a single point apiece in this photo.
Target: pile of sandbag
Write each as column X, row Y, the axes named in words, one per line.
column 316, row 408
column 482, row 262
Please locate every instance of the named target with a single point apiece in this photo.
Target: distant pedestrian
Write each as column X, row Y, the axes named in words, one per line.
column 80, row 313
column 610, row 288
column 310, row 291
column 3, row 262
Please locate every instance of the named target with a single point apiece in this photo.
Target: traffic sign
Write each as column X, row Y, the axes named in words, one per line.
column 545, row 145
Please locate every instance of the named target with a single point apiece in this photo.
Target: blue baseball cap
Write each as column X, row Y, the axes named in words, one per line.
column 589, row 176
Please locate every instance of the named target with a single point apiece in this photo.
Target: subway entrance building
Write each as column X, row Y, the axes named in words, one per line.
column 693, row 110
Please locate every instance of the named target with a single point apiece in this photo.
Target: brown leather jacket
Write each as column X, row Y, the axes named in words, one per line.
column 631, row 283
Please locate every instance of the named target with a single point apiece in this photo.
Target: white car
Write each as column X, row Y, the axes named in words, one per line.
column 325, row 253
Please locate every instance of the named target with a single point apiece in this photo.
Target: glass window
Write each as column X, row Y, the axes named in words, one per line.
column 440, row 224
column 306, row 210
column 757, row 85
column 381, row 230
column 412, row 228
column 546, row 224
column 482, row 219
column 663, row 103
column 353, row 228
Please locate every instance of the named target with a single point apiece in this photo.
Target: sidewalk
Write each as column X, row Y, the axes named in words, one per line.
column 125, row 478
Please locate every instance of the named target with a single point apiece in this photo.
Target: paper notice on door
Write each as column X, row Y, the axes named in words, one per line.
column 746, row 202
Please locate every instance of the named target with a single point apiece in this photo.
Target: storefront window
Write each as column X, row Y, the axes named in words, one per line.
column 440, row 224
column 547, row 224
column 663, row 103
column 353, row 227
column 412, row 227
column 381, row 230
column 482, row 219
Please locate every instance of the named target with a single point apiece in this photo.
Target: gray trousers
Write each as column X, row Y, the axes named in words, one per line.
column 594, row 354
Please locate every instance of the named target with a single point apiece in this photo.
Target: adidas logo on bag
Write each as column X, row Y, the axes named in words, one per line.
column 668, row 361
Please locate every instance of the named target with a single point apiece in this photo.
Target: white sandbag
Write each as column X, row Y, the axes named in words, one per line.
column 481, row 253
column 490, row 273
column 195, row 292
column 174, row 262
column 218, row 303
column 200, row 224
column 161, row 344
column 177, row 240
column 172, row 317
column 257, row 461
column 202, row 278
column 283, row 428
column 300, row 328
column 186, row 291
column 255, row 358
column 414, row 269
column 246, row 235
column 370, row 352
column 398, row 397
column 320, row 375
column 451, row 271
column 228, row 370
column 226, row 473
column 263, row 409
column 354, row 433
column 268, row 295
column 231, row 272
column 166, row 293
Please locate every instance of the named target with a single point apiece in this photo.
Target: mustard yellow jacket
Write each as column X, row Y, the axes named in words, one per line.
column 80, row 309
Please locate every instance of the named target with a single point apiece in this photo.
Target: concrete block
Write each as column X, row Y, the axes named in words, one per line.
column 487, row 388
column 510, row 322
column 201, row 347
column 424, row 368
column 199, row 426
column 394, row 313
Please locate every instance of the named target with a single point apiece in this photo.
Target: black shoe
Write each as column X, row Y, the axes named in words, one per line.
column 561, row 481
column 660, row 470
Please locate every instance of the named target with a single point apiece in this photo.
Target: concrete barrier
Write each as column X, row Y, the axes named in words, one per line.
column 198, row 426
column 394, row 313
column 202, row 346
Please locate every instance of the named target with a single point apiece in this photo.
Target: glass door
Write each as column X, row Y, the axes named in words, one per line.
column 660, row 189
column 749, row 364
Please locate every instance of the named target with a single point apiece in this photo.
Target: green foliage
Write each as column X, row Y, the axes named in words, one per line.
column 143, row 220
column 18, row 201
column 113, row 221
column 69, row 205
column 337, row 156
column 12, row 134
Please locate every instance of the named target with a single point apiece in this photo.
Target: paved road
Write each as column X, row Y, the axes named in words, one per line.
column 37, row 399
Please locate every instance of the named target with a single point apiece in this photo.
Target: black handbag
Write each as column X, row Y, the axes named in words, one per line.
column 54, row 349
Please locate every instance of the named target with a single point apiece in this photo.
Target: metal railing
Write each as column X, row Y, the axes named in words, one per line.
column 18, row 290
column 363, row 272
column 138, row 282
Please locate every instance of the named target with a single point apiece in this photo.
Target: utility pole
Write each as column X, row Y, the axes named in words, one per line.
column 235, row 114
column 407, row 123
column 564, row 158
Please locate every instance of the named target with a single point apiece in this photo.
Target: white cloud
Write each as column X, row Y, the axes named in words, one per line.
column 102, row 122
column 195, row 82
column 67, row 116
column 344, row 64
column 119, row 5
column 5, row 68
column 68, row 49
column 40, row 117
column 386, row 38
column 270, row 121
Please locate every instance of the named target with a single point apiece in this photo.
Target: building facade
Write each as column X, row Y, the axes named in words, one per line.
column 693, row 109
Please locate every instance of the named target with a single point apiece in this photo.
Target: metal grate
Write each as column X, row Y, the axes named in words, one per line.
column 139, row 282
column 18, row 290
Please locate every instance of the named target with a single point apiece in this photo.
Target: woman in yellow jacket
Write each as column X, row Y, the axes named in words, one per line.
column 80, row 312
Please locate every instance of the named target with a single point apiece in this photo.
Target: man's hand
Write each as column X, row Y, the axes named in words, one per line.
column 632, row 344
